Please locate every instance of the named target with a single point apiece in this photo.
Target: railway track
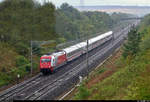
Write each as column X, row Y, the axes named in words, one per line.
column 50, row 80
column 13, row 90
column 51, row 87
column 40, row 87
column 70, row 76
column 37, row 81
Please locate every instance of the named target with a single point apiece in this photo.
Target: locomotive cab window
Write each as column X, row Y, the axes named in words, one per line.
column 45, row 60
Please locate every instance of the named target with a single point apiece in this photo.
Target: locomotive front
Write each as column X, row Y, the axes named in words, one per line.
column 45, row 64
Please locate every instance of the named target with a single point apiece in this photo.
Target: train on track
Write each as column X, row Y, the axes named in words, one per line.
column 49, row 63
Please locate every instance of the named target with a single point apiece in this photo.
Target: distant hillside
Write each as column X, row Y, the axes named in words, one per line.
column 137, row 10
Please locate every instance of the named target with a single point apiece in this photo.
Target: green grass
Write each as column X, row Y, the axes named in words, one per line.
column 131, row 81
column 83, row 92
column 121, row 84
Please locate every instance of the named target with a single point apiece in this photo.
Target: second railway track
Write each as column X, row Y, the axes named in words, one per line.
column 31, row 85
column 40, row 87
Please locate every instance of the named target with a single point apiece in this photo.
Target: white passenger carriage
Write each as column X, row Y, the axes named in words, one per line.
column 75, row 51
column 80, row 48
column 96, row 41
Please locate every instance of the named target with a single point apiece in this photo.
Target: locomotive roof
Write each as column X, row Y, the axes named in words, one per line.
column 83, row 44
column 45, row 56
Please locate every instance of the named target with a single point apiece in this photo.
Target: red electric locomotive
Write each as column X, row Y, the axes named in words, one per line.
column 48, row 63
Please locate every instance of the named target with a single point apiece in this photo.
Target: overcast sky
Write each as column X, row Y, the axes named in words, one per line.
column 101, row 2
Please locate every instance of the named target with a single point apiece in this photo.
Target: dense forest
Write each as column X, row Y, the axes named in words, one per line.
column 78, row 24
column 23, row 21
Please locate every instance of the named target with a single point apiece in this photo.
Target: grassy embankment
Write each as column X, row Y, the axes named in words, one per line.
column 119, row 78
column 11, row 64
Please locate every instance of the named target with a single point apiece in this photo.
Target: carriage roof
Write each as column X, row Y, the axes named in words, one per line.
column 83, row 44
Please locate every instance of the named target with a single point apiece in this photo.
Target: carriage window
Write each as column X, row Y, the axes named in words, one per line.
column 45, row 60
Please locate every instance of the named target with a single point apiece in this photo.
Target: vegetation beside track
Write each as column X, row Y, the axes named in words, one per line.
column 129, row 78
column 24, row 20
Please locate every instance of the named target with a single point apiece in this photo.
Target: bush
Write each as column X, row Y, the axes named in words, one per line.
column 20, row 70
column 131, row 48
column 28, row 67
column 146, row 44
column 22, row 49
column 83, row 93
column 21, row 60
column 4, row 79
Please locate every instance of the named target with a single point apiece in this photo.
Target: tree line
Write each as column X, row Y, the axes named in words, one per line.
column 24, row 20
